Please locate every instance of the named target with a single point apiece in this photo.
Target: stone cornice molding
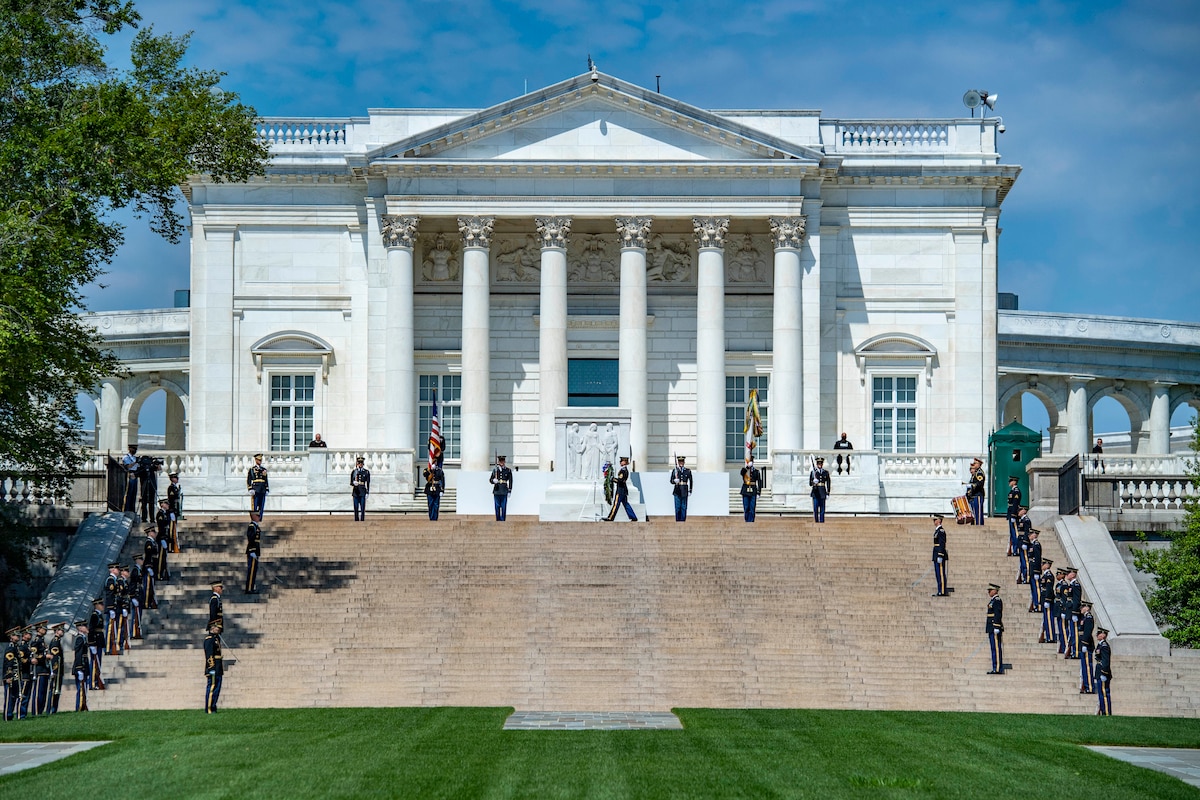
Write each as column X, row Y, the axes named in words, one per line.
column 399, row 230
column 633, row 231
column 476, row 231
column 788, row 232
column 710, row 232
column 553, row 231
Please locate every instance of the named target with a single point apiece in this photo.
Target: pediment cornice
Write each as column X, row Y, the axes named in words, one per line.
column 610, row 91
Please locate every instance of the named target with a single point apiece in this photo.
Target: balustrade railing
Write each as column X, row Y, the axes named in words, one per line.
column 1124, row 464
column 1157, row 494
column 917, row 466
column 892, row 135
column 321, row 132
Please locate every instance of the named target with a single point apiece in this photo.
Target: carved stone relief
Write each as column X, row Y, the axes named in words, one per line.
column 668, row 259
column 746, row 259
column 517, row 259
column 442, row 261
column 593, row 258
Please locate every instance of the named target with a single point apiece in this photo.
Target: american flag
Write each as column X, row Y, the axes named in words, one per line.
column 435, row 435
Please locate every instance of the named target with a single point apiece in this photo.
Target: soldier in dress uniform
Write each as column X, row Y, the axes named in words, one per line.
column 39, row 659
column 1034, row 570
column 435, row 485
column 162, row 520
column 1014, row 505
column 751, row 489
column 501, row 480
column 149, row 563
column 940, row 556
column 95, row 643
column 125, row 606
column 12, row 675
column 1074, row 594
column 136, row 593
column 112, row 610
column 258, row 484
column 1060, row 609
column 56, row 648
column 819, row 487
column 253, row 554
column 995, row 629
column 1024, row 526
column 681, row 488
column 1087, row 647
column 621, row 493
column 1103, row 675
column 360, row 483
column 81, row 666
column 214, row 666
column 1046, row 599
column 976, row 489
column 175, row 501
column 216, row 608
column 25, row 670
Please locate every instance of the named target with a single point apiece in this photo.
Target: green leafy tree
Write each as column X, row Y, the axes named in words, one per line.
column 79, row 139
column 1175, row 599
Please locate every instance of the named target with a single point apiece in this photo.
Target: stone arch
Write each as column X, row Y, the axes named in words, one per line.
column 291, row 345
column 1052, row 396
column 1135, row 401
column 137, row 390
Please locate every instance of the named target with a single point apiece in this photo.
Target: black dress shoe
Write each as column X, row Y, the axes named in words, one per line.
column 993, row 672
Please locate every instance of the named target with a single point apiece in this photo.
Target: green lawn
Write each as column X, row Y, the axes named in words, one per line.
column 462, row 752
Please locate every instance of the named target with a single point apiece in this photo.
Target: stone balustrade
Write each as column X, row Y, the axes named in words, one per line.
column 320, row 132
column 954, row 137
column 1155, row 494
column 1127, row 465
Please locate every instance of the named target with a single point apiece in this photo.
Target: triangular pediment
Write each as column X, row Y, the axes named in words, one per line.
column 594, row 117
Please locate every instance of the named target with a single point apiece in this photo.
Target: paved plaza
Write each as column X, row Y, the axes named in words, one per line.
column 27, row 755
column 1178, row 762
column 592, row 721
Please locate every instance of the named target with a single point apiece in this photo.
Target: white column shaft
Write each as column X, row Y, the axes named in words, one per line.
column 552, row 350
column 400, row 378
column 710, row 361
column 175, row 438
column 1160, row 419
column 1077, row 418
column 110, row 416
column 633, row 387
column 785, row 346
column 476, row 361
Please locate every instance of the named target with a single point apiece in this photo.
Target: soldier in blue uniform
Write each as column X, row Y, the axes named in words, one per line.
column 214, row 667
column 95, row 644
column 216, row 608
column 1074, row 593
column 1034, row 570
column 501, row 480
column 995, row 629
column 1060, row 610
column 940, row 556
column 1087, row 647
column 1103, row 674
column 112, row 610
column 125, row 605
column 162, row 573
column 81, row 666
column 1012, row 514
column 435, row 485
column 819, row 487
column 751, row 489
column 1046, row 601
column 136, row 593
column 360, row 483
column 976, row 488
column 39, row 659
column 253, row 554
column 1024, row 526
column 12, row 675
column 56, row 651
column 621, row 496
column 681, row 488
column 149, row 563
column 258, row 484
column 25, row 670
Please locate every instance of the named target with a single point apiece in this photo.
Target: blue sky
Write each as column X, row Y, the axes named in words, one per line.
column 1100, row 101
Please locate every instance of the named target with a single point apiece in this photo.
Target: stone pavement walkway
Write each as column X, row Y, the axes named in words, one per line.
column 592, row 721
column 27, row 755
column 1175, row 761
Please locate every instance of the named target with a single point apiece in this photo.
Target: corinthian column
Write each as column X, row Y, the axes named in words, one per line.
column 552, row 336
column 400, row 425
column 788, row 236
column 710, row 343
column 632, row 382
column 476, row 345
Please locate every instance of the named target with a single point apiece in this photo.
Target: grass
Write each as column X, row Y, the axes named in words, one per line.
column 462, row 752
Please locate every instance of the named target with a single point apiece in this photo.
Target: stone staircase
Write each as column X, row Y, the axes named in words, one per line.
column 580, row 616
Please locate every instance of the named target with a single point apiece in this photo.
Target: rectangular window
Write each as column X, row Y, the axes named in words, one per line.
column 894, row 414
column 737, row 395
column 593, row 382
column 292, row 406
column 449, row 401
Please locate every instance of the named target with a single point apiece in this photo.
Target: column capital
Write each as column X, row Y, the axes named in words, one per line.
column 788, row 232
column 710, row 231
column 398, row 230
column 553, row 231
column 633, row 231
column 476, row 231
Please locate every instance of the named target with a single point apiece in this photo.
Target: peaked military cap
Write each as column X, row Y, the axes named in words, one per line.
column 258, row 455
column 99, row 601
column 1101, row 630
column 994, row 586
column 215, row 584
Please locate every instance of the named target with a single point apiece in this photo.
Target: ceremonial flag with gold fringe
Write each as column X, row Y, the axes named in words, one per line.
column 435, row 435
column 753, row 427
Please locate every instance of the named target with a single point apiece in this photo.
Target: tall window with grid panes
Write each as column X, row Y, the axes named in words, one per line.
column 449, row 404
column 737, row 395
column 894, row 414
column 292, row 406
